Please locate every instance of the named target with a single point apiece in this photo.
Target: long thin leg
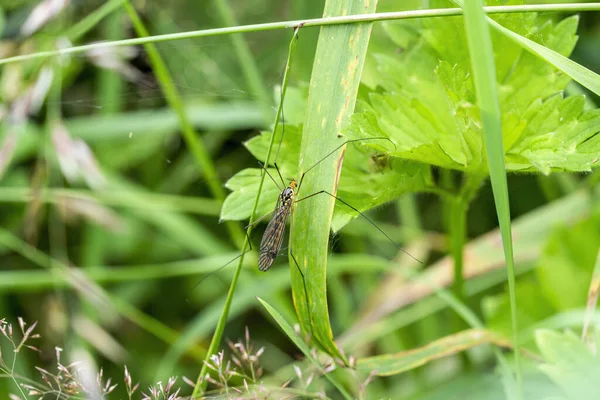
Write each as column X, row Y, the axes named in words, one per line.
column 236, row 258
column 260, row 219
column 220, row 268
column 247, row 251
column 271, row 176
column 279, row 173
column 305, row 289
column 339, row 147
column 365, row 217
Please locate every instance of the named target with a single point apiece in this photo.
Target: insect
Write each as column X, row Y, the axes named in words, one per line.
column 272, row 238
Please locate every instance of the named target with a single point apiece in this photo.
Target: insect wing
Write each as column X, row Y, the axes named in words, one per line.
column 272, row 239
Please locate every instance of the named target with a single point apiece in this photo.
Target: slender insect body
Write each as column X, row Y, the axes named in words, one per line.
column 272, row 239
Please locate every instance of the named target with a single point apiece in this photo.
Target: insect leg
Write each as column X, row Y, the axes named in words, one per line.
column 365, row 217
column 258, row 220
column 303, row 284
column 223, row 266
column 271, row 176
column 278, row 172
column 236, row 258
column 336, row 149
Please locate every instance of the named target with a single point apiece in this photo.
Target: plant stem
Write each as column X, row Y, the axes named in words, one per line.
column 409, row 213
column 457, row 229
column 458, row 226
column 201, row 383
column 339, row 20
column 91, row 20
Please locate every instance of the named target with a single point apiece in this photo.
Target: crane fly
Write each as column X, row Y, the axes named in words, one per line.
column 272, row 238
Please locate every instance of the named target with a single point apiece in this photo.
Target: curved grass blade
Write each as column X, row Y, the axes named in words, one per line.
column 339, row 60
column 393, row 364
column 289, row 331
column 578, row 72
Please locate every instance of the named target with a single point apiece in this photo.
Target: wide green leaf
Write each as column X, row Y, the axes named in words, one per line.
column 425, row 101
column 244, row 186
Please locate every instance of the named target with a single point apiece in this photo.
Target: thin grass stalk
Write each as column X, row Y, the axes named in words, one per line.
column 90, row 21
column 201, row 383
column 458, row 230
column 327, row 21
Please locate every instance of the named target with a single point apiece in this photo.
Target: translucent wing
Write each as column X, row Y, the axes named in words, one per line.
column 272, row 238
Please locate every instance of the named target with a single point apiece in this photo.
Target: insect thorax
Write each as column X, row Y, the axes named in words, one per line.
column 287, row 196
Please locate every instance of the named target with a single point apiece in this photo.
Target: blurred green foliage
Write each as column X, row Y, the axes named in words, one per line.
column 96, row 176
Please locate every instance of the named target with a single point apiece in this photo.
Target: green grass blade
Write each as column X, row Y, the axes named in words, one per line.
column 393, row 364
column 337, row 69
column 216, row 340
column 80, row 282
column 289, row 331
column 237, row 115
column 92, row 19
column 35, row 280
column 148, row 201
column 484, row 74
